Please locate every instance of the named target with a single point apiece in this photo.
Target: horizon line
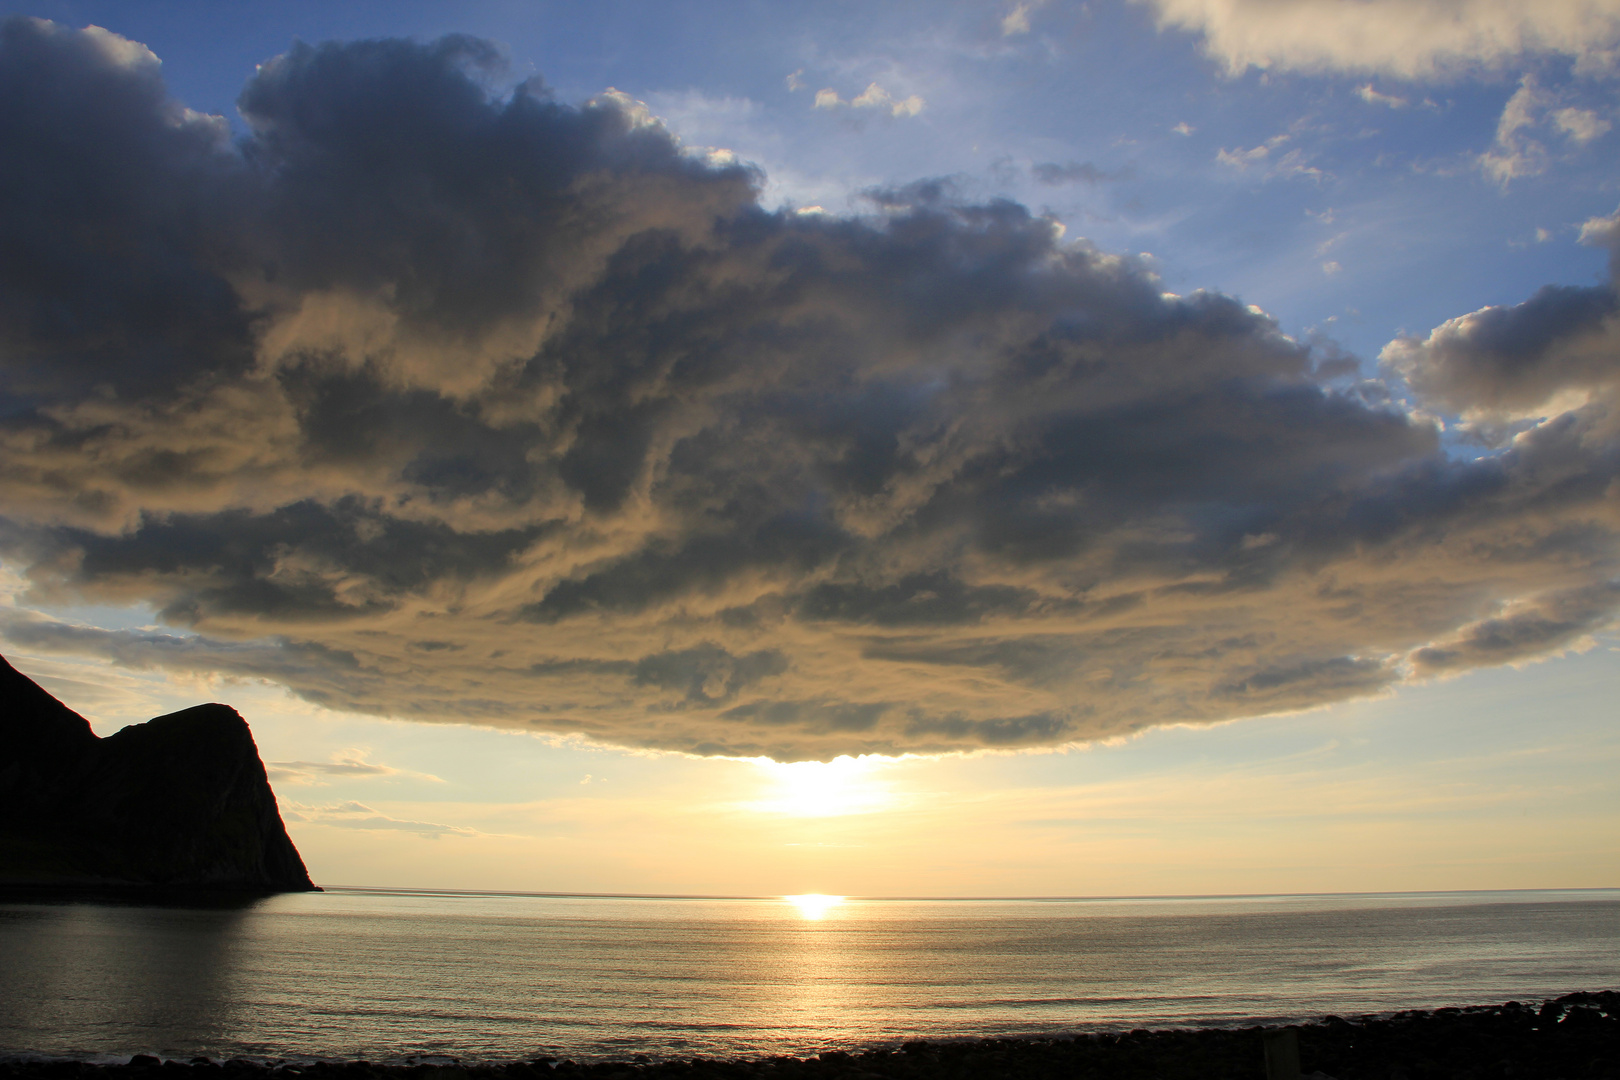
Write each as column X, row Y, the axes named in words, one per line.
column 410, row 890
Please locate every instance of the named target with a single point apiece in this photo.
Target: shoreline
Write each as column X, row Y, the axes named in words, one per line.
column 1573, row 1037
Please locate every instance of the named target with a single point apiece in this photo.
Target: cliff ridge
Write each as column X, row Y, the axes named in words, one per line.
column 179, row 802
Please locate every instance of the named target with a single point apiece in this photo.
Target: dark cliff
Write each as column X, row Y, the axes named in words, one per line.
column 179, row 802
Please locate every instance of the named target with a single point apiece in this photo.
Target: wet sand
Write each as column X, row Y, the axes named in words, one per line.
column 1574, row 1037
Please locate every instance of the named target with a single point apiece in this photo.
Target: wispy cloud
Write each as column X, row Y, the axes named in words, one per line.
column 354, row 815
column 345, row 764
column 1290, row 163
column 1054, row 174
column 1515, row 153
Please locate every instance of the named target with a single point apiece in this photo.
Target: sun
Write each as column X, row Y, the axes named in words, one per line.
column 844, row 785
column 814, row 906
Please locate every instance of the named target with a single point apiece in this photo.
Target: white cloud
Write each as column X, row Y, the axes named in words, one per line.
column 120, row 50
column 1581, row 125
column 1405, row 38
column 1016, row 20
column 1373, row 97
column 634, row 110
column 1601, row 231
column 1184, row 128
column 873, row 97
column 1514, row 153
column 794, row 81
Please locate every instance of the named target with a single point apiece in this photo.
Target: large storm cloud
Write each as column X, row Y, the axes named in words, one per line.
column 440, row 402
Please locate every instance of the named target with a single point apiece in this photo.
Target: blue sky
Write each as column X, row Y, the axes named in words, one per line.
column 1388, row 187
column 1359, row 182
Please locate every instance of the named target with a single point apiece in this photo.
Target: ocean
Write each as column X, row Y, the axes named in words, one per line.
column 386, row 975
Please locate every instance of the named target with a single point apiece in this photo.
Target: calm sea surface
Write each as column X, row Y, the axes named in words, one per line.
column 382, row 975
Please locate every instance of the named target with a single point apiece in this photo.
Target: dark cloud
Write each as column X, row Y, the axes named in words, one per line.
column 1517, row 357
column 436, row 402
column 115, row 244
column 923, row 598
column 1041, row 729
column 1507, row 362
column 1530, row 630
column 706, row 674
column 1301, row 685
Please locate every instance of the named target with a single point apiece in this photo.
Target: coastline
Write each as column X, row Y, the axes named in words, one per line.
column 139, row 894
column 1573, row 1037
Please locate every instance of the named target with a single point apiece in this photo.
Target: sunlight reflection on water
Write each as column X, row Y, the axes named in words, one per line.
column 814, row 906
column 377, row 974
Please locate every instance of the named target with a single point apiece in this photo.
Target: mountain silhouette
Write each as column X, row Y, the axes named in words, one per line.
column 179, row 802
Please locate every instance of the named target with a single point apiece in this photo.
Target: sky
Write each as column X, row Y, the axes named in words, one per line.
column 1132, row 447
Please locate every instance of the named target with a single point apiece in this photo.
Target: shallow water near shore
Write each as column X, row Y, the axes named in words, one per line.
column 380, row 974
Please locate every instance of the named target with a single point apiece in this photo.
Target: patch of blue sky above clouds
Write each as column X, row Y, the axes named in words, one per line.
column 1359, row 172
column 1319, row 184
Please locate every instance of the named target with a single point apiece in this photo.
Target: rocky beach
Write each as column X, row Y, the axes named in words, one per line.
column 1574, row 1037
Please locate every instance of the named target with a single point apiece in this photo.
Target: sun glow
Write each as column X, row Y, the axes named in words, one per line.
column 814, row 906
column 844, row 785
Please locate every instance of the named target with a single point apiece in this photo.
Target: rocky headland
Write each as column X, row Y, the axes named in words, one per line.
column 179, row 803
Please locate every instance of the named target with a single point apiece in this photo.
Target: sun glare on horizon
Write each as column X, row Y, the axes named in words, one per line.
column 814, row 906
